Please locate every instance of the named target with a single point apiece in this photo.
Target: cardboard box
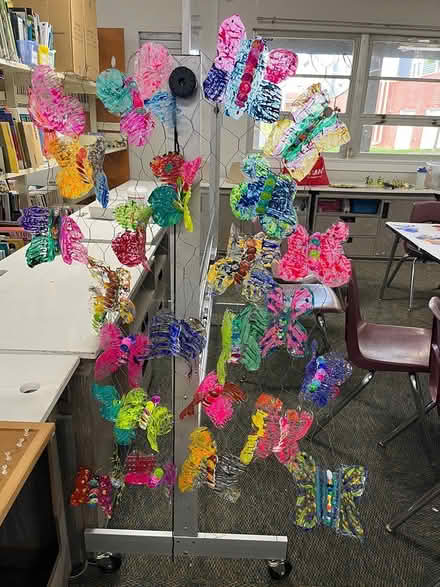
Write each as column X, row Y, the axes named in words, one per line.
column 75, row 34
column 91, row 34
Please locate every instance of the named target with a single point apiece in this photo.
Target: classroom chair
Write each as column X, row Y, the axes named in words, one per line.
column 383, row 347
column 434, row 389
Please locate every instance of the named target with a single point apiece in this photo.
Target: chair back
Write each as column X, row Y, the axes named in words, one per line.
column 353, row 320
column 434, row 358
column 428, row 211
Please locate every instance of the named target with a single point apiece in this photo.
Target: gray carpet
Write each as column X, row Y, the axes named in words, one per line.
column 320, row 558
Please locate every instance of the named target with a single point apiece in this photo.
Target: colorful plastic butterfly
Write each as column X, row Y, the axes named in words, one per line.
column 110, row 297
column 51, row 110
column 244, row 252
column 313, row 128
column 52, row 234
column 267, row 196
column 248, row 328
column 217, row 400
column 275, row 432
column 157, row 420
column 246, row 75
column 119, row 350
column 323, row 377
column 170, row 203
column 320, row 254
column 137, row 99
column 81, row 168
column 285, row 329
column 202, row 454
column 328, row 497
column 124, row 411
column 171, row 337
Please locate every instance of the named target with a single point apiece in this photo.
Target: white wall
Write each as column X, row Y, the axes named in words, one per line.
column 405, row 12
column 135, row 16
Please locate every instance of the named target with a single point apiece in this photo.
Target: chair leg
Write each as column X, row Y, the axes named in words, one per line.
column 396, row 269
column 320, row 320
column 318, row 426
column 418, row 400
column 399, row 429
column 413, row 509
column 411, row 285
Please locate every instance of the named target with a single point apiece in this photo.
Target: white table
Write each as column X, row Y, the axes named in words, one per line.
column 47, row 309
column 51, row 373
column 424, row 236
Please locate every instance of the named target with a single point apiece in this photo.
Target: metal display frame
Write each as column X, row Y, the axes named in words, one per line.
column 190, row 255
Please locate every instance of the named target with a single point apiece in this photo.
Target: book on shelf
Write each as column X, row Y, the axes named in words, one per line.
column 7, row 39
column 8, row 147
column 25, row 139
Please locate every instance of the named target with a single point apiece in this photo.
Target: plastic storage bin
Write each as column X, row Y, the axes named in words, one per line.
column 364, row 206
column 329, row 205
column 28, row 51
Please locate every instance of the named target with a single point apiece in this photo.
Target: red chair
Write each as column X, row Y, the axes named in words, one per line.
column 382, row 347
column 434, row 389
column 421, row 212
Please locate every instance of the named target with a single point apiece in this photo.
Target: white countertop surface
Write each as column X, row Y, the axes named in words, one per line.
column 52, row 373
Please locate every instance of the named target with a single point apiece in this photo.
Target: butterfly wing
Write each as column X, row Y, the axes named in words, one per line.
column 294, row 264
column 333, row 267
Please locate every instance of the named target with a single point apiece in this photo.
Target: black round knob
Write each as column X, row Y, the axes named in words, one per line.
column 182, row 82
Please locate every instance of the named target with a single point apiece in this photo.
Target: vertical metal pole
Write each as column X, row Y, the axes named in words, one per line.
column 186, row 250
column 186, row 27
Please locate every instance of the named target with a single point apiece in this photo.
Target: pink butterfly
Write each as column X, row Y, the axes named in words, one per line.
column 285, row 328
column 320, row 254
column 119, row 350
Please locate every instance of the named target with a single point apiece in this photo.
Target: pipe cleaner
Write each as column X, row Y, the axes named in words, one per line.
column 323, row 377
column 52, row 234
column 328, row 497
column 320, row 254
column 245, row 75
column 314, row 128
column 110, row 296
column 170, row 336
column 51, row 110
column 201, row 448
column 170, row 203
column 285, row 327
column 248, row 327
column 157, row 420
column 119, row 350
column 217, row 400
column 243, row 253
column 123, row 411
column 266, row 196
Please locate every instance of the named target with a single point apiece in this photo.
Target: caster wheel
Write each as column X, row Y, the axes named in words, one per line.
column 279, row 570
column 107, row 562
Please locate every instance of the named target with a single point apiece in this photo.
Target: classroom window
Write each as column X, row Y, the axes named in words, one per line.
column 387, row 89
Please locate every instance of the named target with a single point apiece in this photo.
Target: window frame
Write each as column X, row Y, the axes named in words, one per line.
column 355, row 117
